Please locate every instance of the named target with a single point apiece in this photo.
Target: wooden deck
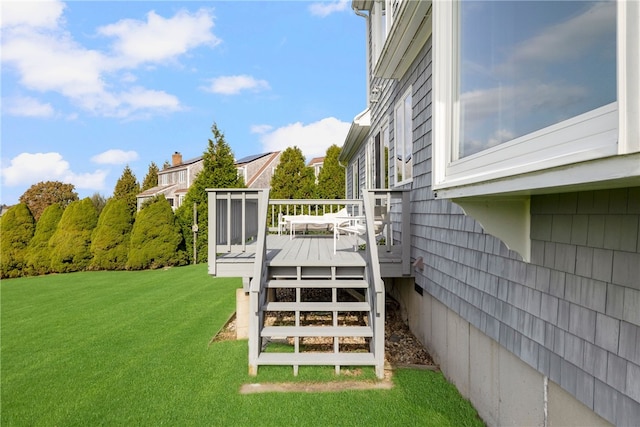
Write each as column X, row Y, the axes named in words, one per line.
column 309, row 249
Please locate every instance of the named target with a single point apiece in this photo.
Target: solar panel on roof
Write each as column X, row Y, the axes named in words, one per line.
column 251, row 158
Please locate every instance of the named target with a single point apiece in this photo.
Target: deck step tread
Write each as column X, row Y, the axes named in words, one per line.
column 317, row 283
column 316, row 306
column 313, row 358
column 317, row 331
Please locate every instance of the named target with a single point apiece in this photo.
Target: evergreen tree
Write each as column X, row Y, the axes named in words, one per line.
column 70, row 244
column 110, row 240
column 39, row 255
column 219, row 171
column 292, row 179
column 156, row 240
column 151, row 179
column 127, row 188
column 43, row 194
column 331, row 176
column 17, row 226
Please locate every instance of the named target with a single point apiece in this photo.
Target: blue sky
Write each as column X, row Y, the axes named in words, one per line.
column 89, row 87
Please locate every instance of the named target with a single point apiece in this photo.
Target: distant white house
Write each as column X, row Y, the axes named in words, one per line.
column 174, row 181
column 316, row 163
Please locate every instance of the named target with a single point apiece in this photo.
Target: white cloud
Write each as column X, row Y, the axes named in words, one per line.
column 313, row 139
column 27, row 107
column 48, row 59
column 160, row 39
column 47, row 62
column 31, row 168
column 261, row 128
column 41, row 14
column 141, row 102
column 323, row 9
column 233, row 85
column 115, row 157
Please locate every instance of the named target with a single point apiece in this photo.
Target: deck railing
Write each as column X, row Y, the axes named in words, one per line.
column 376, row 284
column 258, row 281
column 397, row 230
column 234, row 221
column 280, row 207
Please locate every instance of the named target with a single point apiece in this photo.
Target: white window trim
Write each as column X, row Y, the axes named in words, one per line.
column 400, row 103
column 378, row 34
column 386, row 143
column 355, row 179
column 370, row 163
column 596, row 135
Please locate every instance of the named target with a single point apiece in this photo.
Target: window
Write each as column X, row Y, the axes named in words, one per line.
column 384, row 156
column 242, row 173
column 403, row 139
column 525, row 66
column 182, row 176
column 521, row 87
column 370, row 164
column 355, row 179
column 164, row 179
column 379, row 28
column 378, row 159
column 383, row 14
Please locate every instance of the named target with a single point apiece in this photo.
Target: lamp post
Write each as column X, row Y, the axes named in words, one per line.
column 194, row 228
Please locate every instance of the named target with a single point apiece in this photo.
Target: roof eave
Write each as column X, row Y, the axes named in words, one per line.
column 362, row 4
column 357, row 133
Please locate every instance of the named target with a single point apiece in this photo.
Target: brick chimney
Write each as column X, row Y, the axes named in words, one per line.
column 176, row 159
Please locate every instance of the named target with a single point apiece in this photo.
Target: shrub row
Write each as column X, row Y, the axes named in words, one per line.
column 75, row 238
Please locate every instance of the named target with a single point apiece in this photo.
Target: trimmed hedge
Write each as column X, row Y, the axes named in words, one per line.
column 70, row 244
column 17, row 227
column 110, row 240
column 39, row 254
column 156, row 240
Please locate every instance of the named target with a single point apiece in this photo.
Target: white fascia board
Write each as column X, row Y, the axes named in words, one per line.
column 411, row 30
column 357, row 133
column 362, row 4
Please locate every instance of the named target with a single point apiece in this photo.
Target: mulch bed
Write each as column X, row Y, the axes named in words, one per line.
column 402, row 348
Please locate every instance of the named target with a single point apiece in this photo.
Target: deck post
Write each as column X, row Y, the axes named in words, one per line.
column 254, row 338
column 406, row 234
column 213, row 237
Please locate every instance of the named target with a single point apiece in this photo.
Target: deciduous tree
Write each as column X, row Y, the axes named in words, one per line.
column 39, row 255
column 156, row 240
column 70, row 244
column 110, row 240
column 16, row 227
column 99, row 201
column 44, row 194
column 219, row 171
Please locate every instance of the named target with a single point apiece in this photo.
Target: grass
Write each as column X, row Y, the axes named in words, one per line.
column 132, row 348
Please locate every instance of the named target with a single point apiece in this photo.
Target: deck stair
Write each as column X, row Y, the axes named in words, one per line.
column 316, row 315
column 313, row 300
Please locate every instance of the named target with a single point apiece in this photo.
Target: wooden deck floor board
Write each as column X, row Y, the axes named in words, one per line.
column 310, row 249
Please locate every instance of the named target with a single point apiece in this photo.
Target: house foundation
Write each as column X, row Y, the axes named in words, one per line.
column 503, row 388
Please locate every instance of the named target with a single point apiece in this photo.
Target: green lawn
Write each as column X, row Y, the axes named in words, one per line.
column 132, row 348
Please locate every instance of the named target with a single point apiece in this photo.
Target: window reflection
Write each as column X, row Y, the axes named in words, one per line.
column 525, row 65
